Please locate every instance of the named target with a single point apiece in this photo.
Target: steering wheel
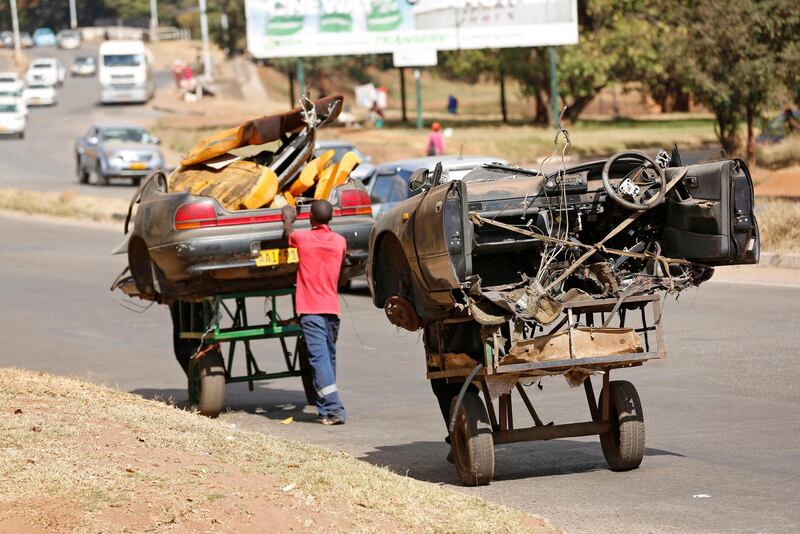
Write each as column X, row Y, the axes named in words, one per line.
column 632, row 191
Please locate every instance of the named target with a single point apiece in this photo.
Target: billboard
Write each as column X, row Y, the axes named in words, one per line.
column 301, row 28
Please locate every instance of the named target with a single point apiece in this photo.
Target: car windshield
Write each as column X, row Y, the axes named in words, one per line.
column 7, row 79
column 8, row 92
column 39, row 86
column 43, row 31
column 84, row 60
column 8, row 108
column 42, row 66
column 68, row 34
column 127, row 135
column 390, row 186
column 122, row 60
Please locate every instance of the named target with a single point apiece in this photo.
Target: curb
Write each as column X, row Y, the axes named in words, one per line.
column 784, row 261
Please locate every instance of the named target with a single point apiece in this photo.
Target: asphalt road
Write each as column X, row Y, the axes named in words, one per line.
column 722, row 411
column 45, row 159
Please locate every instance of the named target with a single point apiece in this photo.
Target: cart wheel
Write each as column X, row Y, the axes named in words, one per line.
column 623, row 444
column 207, row 383
column 305, row 369
column 472, row 442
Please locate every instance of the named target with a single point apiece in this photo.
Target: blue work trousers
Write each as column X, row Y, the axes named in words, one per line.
column 320, row 333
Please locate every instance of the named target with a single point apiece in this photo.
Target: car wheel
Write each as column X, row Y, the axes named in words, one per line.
column 21, row 135
column 137, row 181
column 102, row 179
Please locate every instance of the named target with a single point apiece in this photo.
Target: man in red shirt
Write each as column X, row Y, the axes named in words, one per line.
column 321, row 253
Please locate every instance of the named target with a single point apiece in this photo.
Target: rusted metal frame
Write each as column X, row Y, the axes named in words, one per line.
column 606, row 404
column 645, row 330
column 502, row 408
column 601, row 361
column 608, row 304
column 489, row 406
column 529, row 405
column 541, row 433
column 249, row 358
column 590, row 398
column 570, row 330
column 232, row 347
column 659, row 332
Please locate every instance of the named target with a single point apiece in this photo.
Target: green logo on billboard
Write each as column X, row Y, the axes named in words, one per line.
column 284, row 24
column 384, row 17
column 336, row 22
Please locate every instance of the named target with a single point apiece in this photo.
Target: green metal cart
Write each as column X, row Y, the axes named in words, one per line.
column 220, row 319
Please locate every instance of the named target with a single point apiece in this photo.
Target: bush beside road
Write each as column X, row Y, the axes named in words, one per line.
column 78, row 456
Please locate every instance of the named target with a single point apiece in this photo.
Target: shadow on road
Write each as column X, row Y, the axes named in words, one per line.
column 426, row 460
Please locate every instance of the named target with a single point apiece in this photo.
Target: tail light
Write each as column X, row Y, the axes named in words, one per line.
column 195, row 215
column 353, row 202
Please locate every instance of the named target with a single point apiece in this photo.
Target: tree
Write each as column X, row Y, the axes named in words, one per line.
column 732, row 55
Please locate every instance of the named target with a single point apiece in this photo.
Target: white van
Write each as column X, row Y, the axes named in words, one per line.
column 125, row 72
column 46, row 70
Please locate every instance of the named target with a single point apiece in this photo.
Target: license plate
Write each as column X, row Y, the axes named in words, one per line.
column 137, row 166
column 3, row 130
column 277, row 256
column 36, row 100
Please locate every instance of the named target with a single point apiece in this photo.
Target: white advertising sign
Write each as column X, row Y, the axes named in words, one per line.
column 298, row 28
column 415, row 57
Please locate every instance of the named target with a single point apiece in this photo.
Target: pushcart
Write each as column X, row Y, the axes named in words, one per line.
column 476, row 427
column 222, row 319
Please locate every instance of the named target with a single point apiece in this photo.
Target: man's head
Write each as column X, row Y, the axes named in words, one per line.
column 321, row 212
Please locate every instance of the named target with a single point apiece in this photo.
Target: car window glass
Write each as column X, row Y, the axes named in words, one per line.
column 122, row 60
column 8, row 108
column 388, row 187
column 129, row 135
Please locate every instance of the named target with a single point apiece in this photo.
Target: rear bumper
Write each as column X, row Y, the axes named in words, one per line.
column 111, row 96
column 209, row 265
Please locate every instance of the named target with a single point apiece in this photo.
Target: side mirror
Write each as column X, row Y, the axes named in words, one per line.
column 155, row 140
column 419, row 181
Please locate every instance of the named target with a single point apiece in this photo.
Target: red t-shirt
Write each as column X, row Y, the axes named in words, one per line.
column 321, row 252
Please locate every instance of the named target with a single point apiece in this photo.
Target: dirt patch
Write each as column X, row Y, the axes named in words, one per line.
column 64, row 204
column 777, row 183
column 79, row 457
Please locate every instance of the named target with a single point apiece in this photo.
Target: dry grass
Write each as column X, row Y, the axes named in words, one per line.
column 64, row 204
column 94, row 455
column 779, row 155
column 779, row 223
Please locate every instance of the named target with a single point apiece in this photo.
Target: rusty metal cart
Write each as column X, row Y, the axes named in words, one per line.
column 223, row 319
column 475, row 426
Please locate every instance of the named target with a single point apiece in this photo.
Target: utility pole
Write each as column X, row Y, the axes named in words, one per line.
column 15, row 28
column 503, row 107
column 417, row 77
column 403, row 92
column 554, row 84
column 207, row 72
column 73, row 15
column 153, row 20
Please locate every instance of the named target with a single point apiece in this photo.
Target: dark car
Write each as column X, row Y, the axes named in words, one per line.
column 389, row 182
column 364, row 171
column 185, row 245
column 500, row 230
column 116, row 151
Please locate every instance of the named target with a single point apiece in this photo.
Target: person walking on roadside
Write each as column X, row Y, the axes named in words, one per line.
column 434, row 146
column 321, row 254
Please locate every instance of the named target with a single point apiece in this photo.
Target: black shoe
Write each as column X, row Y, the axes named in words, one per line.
column 450, row 456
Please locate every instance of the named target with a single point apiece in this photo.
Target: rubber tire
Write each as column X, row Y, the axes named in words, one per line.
column 306, row 370
column 102, row 179
column 207, row 383
column 83, row 175
column 472, row 442
column 623, row 445
column 137, row 181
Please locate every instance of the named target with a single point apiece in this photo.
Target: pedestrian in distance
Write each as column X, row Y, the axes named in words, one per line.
column 321, row 254
column 434, row 146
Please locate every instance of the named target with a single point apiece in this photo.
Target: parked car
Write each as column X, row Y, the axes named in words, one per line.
column 68, row 39
column 389, row 184
column 116, row 151
column 457, row 244
column 83, row 66
column 12, row 118
column 6, row 39
column 184, row 243
column 777, row 128
column 44, row 37
column 25, row 40
column 365, row 169
column 46, row 70
column 39, row 94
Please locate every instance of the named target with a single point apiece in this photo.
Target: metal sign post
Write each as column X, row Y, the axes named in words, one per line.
column 73, row 17
column 153, row 20
column 15, row 28
column 417, row 77
column 207, row 68
column 554, row 83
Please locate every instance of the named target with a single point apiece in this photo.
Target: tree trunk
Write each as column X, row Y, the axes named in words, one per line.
column 542, row 116
column 577, row 106
column 751, row 141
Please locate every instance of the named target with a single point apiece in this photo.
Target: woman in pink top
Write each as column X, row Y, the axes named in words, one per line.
column 435, row 144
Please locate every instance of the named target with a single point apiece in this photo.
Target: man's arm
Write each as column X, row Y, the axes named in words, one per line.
column 289, row 214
